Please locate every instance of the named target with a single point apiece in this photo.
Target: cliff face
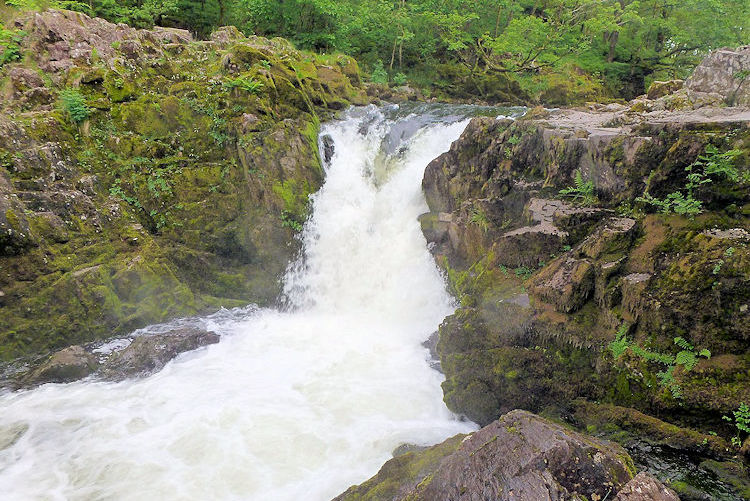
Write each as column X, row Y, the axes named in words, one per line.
column 577, row 299
column 145, row 175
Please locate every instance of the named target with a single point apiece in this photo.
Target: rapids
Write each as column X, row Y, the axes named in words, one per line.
column 294, row 403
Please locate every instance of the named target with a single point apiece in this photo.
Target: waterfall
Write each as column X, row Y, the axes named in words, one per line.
column 292, row 404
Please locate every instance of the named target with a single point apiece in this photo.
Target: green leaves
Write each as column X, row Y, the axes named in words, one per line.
column 74, row 106
column 687, row 357
column 683, row 202
column 583, row 191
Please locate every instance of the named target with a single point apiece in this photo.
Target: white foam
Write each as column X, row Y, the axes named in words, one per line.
column 289, row 405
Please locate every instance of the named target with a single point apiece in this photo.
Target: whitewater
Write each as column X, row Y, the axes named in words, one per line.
column 294, row 403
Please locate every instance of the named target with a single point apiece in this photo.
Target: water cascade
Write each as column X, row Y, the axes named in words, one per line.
column 293, row 403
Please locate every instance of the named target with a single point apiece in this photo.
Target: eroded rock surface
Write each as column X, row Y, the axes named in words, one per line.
column 518, row 457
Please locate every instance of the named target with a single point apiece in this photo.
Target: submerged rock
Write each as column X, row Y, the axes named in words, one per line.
column 519, row 457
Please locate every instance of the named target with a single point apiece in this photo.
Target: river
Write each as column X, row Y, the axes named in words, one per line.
column 294, row 403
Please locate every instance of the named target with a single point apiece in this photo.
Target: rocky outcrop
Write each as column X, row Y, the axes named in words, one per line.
column 120, row 359
column 518, row 457
column 725, row 72
column 175, row 188
column 623, row 306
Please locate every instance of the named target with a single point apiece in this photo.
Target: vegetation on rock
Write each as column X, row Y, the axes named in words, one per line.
column 145, row 175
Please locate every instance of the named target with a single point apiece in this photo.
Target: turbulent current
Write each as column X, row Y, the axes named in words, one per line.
column 292, row 404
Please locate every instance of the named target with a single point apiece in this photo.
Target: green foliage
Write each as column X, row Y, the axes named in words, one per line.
column 523, row 272
column 621, row 343
column 74, row 106
column 583, row 191
column 289, row 220
column 741, row 420
column 400, row 79
column 687, row 357
column 479, row 218
column 379, row 75
column 10, row 42
column 699, row 173
column 248, row 84
column 617, row 44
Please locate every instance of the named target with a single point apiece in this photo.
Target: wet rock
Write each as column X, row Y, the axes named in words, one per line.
column 328, row 148
column 659, row 89
column 67, row 365
column 567, row 284
column 148, row 354
column 645, row 487
column 519, row 457
column 721, row 72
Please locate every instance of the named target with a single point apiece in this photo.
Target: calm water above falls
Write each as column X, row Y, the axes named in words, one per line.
column 289, row 405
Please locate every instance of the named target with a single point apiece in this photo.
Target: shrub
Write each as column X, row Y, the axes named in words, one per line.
column 74, row 105
column 379, row 75
column 712, row 163
column 399, row 79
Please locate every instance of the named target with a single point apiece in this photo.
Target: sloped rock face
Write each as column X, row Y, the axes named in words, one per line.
column 177, row 195
column 725, row 72
column 518, row 457
column 611, row 290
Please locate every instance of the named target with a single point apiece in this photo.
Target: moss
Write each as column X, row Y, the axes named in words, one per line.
column 412, row 468
column 173, row 184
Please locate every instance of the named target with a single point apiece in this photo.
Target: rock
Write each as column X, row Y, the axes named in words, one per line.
column 659, row 89
column 645, row 487
column 724, row 71
column 67, row 365
column 23, row 79
column 519, row 457
column 226, row 35
column 610, row 240
column 536, row 113
column 633, row 287
column 328, row 148
column 148, row 354
column 566, row 284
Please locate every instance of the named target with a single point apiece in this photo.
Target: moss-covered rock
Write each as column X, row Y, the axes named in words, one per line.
column 644, row 313
column 168, row 201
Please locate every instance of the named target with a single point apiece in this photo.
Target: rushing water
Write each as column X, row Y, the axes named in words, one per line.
column 295, row 404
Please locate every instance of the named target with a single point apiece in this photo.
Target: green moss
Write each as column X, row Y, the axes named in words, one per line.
column 412, row 468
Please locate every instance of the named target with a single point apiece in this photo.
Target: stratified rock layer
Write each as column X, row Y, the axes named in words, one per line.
column 586, row 296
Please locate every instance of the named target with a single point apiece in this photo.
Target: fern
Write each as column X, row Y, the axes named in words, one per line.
column 583, row 191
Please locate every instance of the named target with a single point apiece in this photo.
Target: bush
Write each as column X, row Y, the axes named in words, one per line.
column 379, row 75
column 399, row 79
column 74, row 106
column 712, row 163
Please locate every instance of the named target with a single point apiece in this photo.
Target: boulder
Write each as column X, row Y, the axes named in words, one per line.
column 567, row 284
column 726, row 72
column 148, row 354
column 645, row 487
column 519, row 457
column 66, row 365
